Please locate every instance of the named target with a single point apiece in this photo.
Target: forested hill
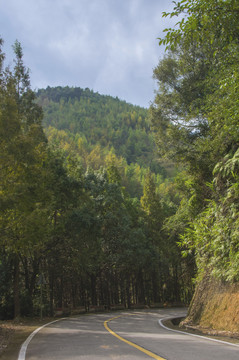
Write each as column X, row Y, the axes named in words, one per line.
column 100, row 120
column 78, row 209
column 82, row 206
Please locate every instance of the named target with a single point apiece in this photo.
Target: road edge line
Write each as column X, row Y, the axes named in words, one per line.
column 23, row 349
column 160, row 322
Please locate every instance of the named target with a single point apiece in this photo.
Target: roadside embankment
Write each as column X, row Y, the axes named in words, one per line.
column 215, row 308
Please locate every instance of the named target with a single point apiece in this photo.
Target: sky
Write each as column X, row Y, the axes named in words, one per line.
column 108, row 46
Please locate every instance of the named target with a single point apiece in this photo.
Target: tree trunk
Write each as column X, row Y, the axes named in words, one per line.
column 93, row 289
column 51, row 283
column 16, row 286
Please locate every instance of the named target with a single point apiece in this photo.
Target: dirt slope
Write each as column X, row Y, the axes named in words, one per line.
column 215, row 306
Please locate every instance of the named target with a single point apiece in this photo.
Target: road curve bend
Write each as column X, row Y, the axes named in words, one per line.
column 124, row 335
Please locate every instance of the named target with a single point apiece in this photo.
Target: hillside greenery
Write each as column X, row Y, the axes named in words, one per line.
column 108, row 205
column 195, row 119
column 99, row 130
column 100, row 120
column 81, row 225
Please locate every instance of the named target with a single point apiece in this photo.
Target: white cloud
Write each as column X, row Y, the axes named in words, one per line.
column 107, row 45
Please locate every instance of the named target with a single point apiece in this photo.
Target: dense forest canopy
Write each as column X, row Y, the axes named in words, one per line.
column 100, row 120
column 99, row 129
column 85, row 191
column 80, row 201
column 195, row 118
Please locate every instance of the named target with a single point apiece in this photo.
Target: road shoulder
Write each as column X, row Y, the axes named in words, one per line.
column 177, row 324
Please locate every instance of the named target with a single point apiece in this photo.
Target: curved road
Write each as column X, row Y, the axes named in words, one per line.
column 125, row 336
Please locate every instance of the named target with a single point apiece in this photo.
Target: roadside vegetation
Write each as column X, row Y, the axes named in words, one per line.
column 106, row 205
column 82, row 226
column 195, row 119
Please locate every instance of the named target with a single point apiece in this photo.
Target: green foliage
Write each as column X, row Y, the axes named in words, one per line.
column 70, row 206
column 24, row 218
column 213, row 22
column 100, row 119
column 214, row 233
column 195, row 118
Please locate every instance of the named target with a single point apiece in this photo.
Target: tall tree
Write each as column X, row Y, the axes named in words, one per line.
column 195, row 110
column 22, row 149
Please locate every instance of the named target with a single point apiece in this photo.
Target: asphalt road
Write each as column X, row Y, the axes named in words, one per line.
column 125, row 336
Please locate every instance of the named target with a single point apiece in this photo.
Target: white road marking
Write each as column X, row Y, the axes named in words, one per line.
column 22, row 352
column 200, row 336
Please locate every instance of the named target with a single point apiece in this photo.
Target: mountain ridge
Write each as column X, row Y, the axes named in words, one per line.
column 101, row 120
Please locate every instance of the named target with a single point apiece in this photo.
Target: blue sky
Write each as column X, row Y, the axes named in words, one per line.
column 109, row 46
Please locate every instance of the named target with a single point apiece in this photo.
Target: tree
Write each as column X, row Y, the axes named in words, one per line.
column 190, row 78
column 22, row 150
column 195, row 118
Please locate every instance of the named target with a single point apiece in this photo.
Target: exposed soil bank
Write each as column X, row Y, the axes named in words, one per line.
column 215, row 308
